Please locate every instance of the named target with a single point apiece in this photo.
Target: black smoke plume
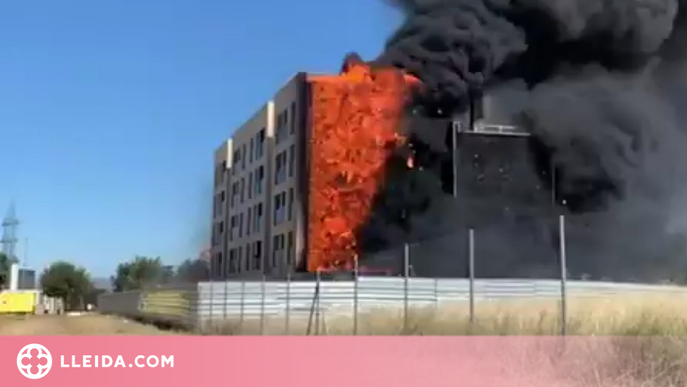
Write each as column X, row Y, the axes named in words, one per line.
column 599, row 84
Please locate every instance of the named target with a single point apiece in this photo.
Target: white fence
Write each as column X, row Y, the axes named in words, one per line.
column 242, row 300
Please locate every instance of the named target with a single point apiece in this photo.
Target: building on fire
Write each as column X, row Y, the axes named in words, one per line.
column 297, row 181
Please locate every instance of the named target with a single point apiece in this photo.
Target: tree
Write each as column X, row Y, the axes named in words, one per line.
column 68, row 282
column 193, row 270
column 92, row 296
column 4, row 270
column 140, row 273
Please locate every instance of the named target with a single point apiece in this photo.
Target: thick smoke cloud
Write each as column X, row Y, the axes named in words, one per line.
column 600, row 85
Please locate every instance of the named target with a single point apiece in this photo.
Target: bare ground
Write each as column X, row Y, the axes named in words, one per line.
column 86, row 325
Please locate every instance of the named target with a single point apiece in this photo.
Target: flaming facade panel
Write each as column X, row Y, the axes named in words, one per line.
column 354, row 126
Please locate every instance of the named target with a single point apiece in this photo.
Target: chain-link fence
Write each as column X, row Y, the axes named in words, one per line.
column 410, row 279
column 417, row 274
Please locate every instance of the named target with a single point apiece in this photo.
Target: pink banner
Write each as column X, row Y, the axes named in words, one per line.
column 320, row 361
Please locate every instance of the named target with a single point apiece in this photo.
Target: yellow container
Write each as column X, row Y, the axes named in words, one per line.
column 166, row 305
column 18, row 302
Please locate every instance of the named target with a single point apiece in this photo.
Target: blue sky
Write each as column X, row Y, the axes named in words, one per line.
column 110, row 111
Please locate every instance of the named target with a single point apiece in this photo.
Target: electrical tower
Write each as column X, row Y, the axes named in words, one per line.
column 9, row 234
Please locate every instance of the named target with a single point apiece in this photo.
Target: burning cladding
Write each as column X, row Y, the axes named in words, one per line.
column 355, row 117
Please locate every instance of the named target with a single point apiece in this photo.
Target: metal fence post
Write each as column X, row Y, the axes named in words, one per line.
column 225, row 299
column 211, row 300
column 564, row 274
column 471, row 268
column 287, row 323
column 262, row 306
column 406, row 269
column 436, row 293
column 212, row 295
column 356, row 272
column 317, row 305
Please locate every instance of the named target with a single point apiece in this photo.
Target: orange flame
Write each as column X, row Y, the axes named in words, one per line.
column 354, row 122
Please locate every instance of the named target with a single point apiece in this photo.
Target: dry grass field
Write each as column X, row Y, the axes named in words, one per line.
column 87, row 325
column 621, row 341
column 651, row 315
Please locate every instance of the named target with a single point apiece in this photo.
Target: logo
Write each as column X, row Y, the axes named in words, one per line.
column 34, row 361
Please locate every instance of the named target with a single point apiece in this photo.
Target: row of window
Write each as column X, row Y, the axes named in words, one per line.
column 283, row 249
column 282, row 210
column 250, row 256
column 254, row 220
column 255, row 151
column 256, row 183
column 282, row 165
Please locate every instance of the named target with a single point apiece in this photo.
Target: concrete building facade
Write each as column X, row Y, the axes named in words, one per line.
column 258, row 208
column 221, row 185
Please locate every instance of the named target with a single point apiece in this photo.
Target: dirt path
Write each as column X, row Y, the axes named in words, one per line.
column 74, row 325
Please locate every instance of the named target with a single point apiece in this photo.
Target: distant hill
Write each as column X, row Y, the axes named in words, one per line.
column 102, row 283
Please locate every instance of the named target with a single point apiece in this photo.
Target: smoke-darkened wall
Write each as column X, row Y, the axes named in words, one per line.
column 598, row 84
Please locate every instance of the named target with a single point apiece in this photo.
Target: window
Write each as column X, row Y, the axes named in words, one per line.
column 292, row 159
column 257, row 217
column 234, row 194
column 279, row 208
column 244, row 263
column 250, row 185
column 285, row 120
column 280, row 170
column 219, row 173
column 232, row 227
column 257, row 255
column 282, row 126
column 232, row 260
column 216, row 206
column 220, row 264
column 237, row 159
column 249, row 220
column 241, row 225
column 277, row 249
column 243, row 159
column 251, row 150
column 292, row 127
column 290, row 250
column 259, row 179
column 260, row 144
column 243, row 189
column 290, row 211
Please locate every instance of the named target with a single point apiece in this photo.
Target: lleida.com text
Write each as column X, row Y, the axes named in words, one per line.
column 107, row 361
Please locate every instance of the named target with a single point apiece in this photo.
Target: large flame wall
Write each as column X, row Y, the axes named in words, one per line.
column 354, row 124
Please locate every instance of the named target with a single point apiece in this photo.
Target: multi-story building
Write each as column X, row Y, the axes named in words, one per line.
column 257, row 189
column 263, row 181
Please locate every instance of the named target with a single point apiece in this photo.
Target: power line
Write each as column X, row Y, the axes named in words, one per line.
column 10, row 225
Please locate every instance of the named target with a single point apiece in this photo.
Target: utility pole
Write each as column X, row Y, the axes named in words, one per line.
column 10, row 224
